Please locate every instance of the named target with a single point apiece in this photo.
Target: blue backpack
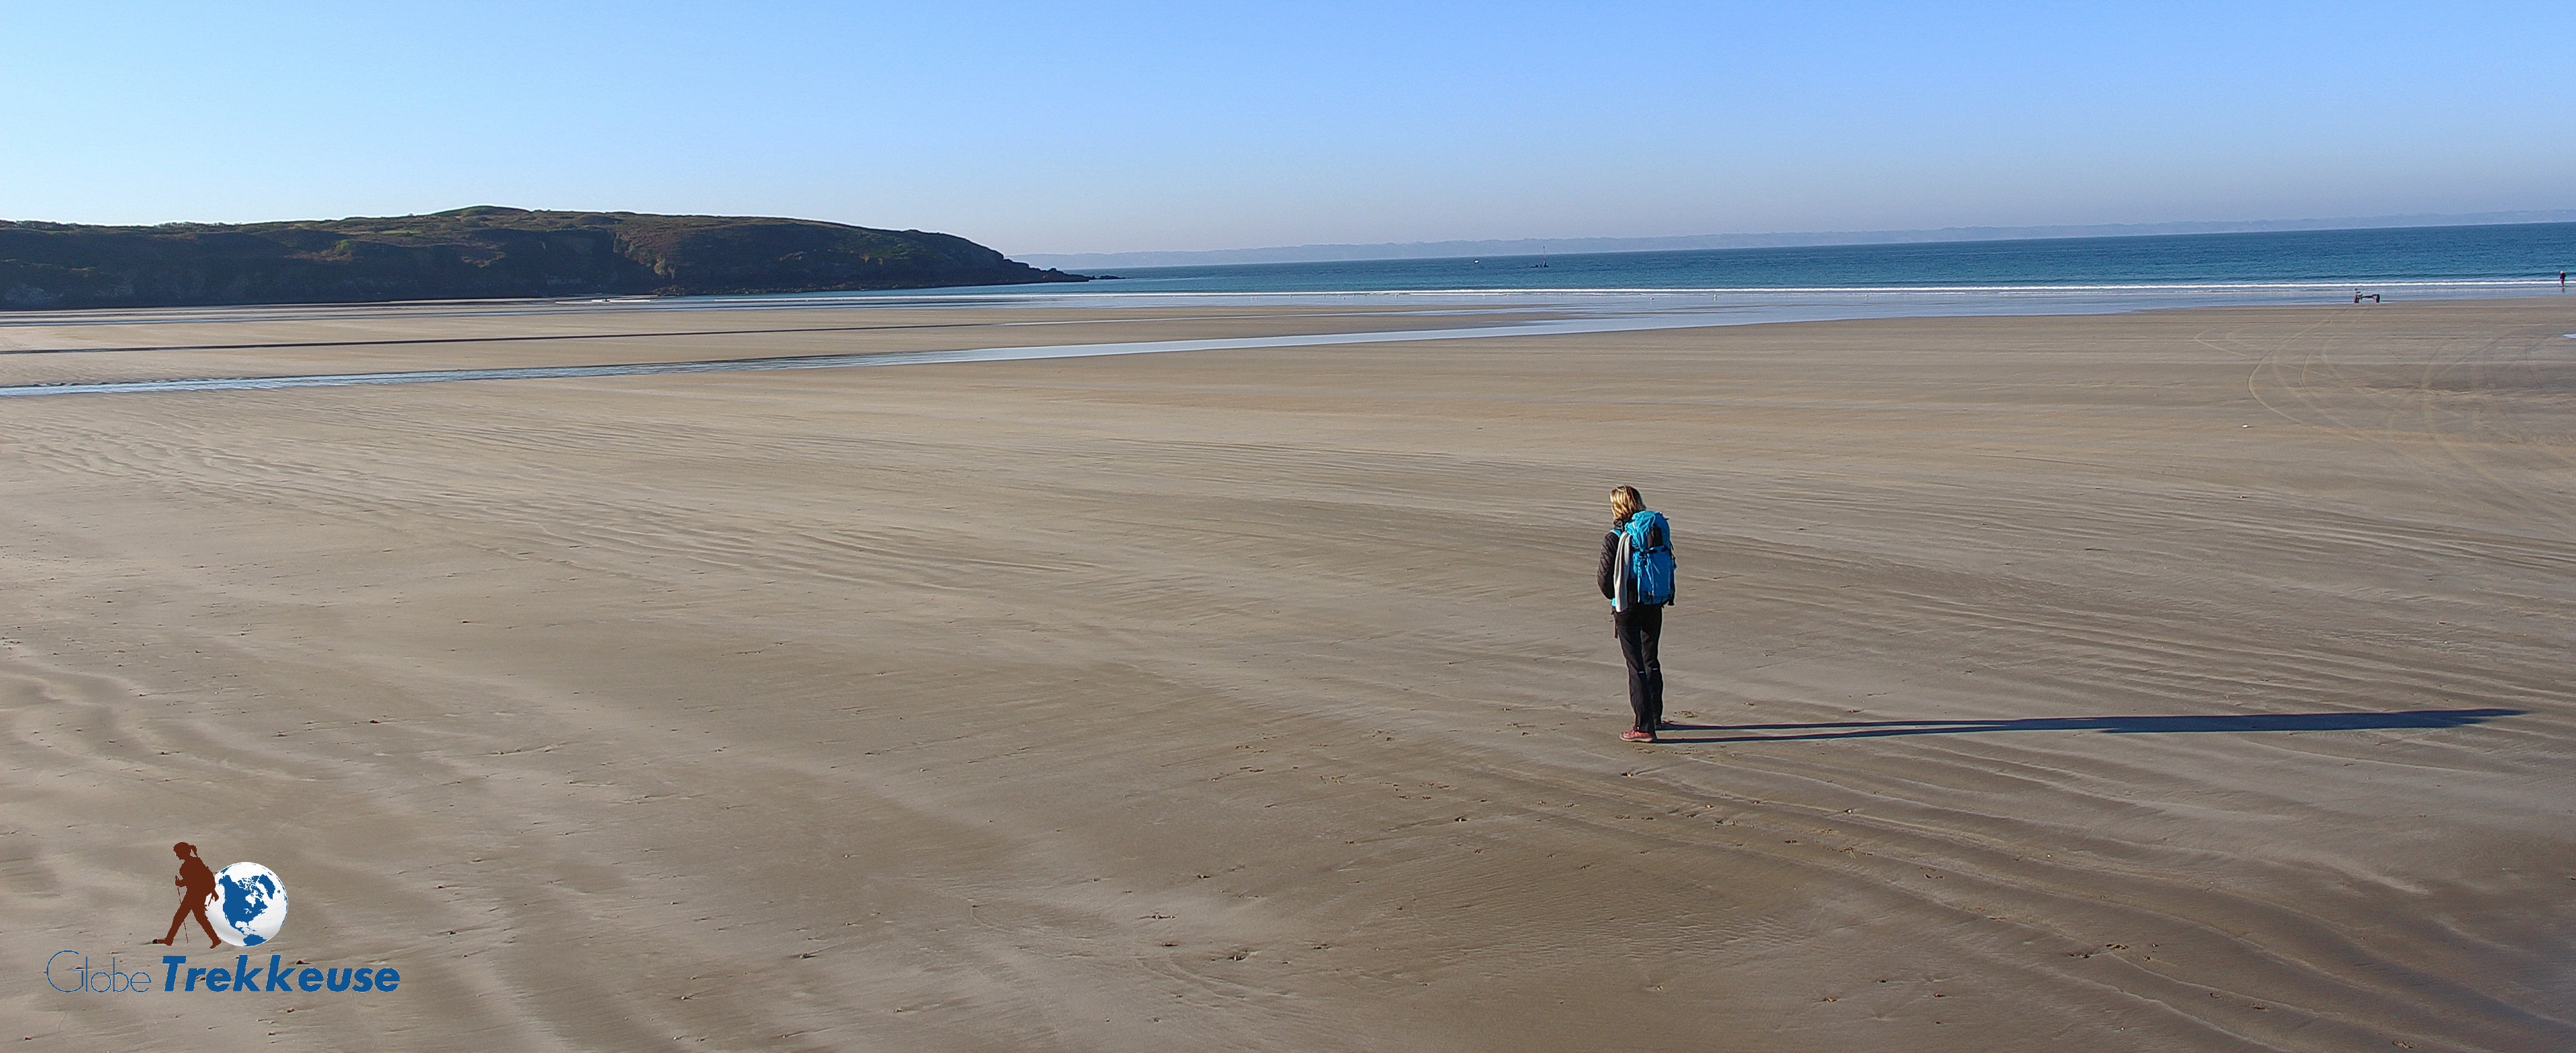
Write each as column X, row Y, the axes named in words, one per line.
column 1650, row 556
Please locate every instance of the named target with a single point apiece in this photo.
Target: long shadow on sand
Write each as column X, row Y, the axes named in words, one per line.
column 2413, row 718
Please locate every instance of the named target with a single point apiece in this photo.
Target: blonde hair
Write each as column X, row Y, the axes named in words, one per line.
column 1625, row 501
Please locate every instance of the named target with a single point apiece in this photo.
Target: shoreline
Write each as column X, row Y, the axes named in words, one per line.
column 2132, row 296
column 1554, row 317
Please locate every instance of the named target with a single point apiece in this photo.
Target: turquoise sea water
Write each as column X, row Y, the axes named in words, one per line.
column 2307, row 266
column 2394, row 259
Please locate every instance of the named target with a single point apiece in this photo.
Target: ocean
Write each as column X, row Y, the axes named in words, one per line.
column 2389, row 260
column 2057, row 275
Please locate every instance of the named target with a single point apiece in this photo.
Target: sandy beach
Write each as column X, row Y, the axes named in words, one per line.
column 2185, row 680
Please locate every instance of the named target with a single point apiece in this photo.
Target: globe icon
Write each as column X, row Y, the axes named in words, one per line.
column 248, row 905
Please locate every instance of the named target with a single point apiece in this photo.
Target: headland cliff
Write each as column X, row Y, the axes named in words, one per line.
column 485, row 252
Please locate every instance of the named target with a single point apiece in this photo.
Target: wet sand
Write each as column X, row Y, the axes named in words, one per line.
column 2181, row 680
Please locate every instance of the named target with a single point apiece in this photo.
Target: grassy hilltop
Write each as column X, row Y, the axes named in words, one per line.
column 473, row 253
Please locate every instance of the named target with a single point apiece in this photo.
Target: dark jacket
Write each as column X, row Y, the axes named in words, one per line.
column 1610, row 557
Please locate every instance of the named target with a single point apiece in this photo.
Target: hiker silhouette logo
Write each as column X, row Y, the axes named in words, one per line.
column 243, row 904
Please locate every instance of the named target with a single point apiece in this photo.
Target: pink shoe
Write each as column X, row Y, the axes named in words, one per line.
column 1637, row 736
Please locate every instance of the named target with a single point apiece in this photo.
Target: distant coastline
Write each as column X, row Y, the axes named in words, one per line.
column 482, row 252
column 1537, row 246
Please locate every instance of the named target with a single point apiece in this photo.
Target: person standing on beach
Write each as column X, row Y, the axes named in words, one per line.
column 196, row 882
column 1637, row 578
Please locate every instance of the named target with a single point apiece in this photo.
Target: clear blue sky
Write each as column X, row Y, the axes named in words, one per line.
column 1068, row 127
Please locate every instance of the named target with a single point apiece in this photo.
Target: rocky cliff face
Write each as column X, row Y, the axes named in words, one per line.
column 476, row 253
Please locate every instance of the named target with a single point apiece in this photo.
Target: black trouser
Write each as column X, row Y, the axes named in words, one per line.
column 1641, row 630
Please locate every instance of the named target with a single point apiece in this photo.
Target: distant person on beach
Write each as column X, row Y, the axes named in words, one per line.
column 1637, row 578
column 196, row 882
